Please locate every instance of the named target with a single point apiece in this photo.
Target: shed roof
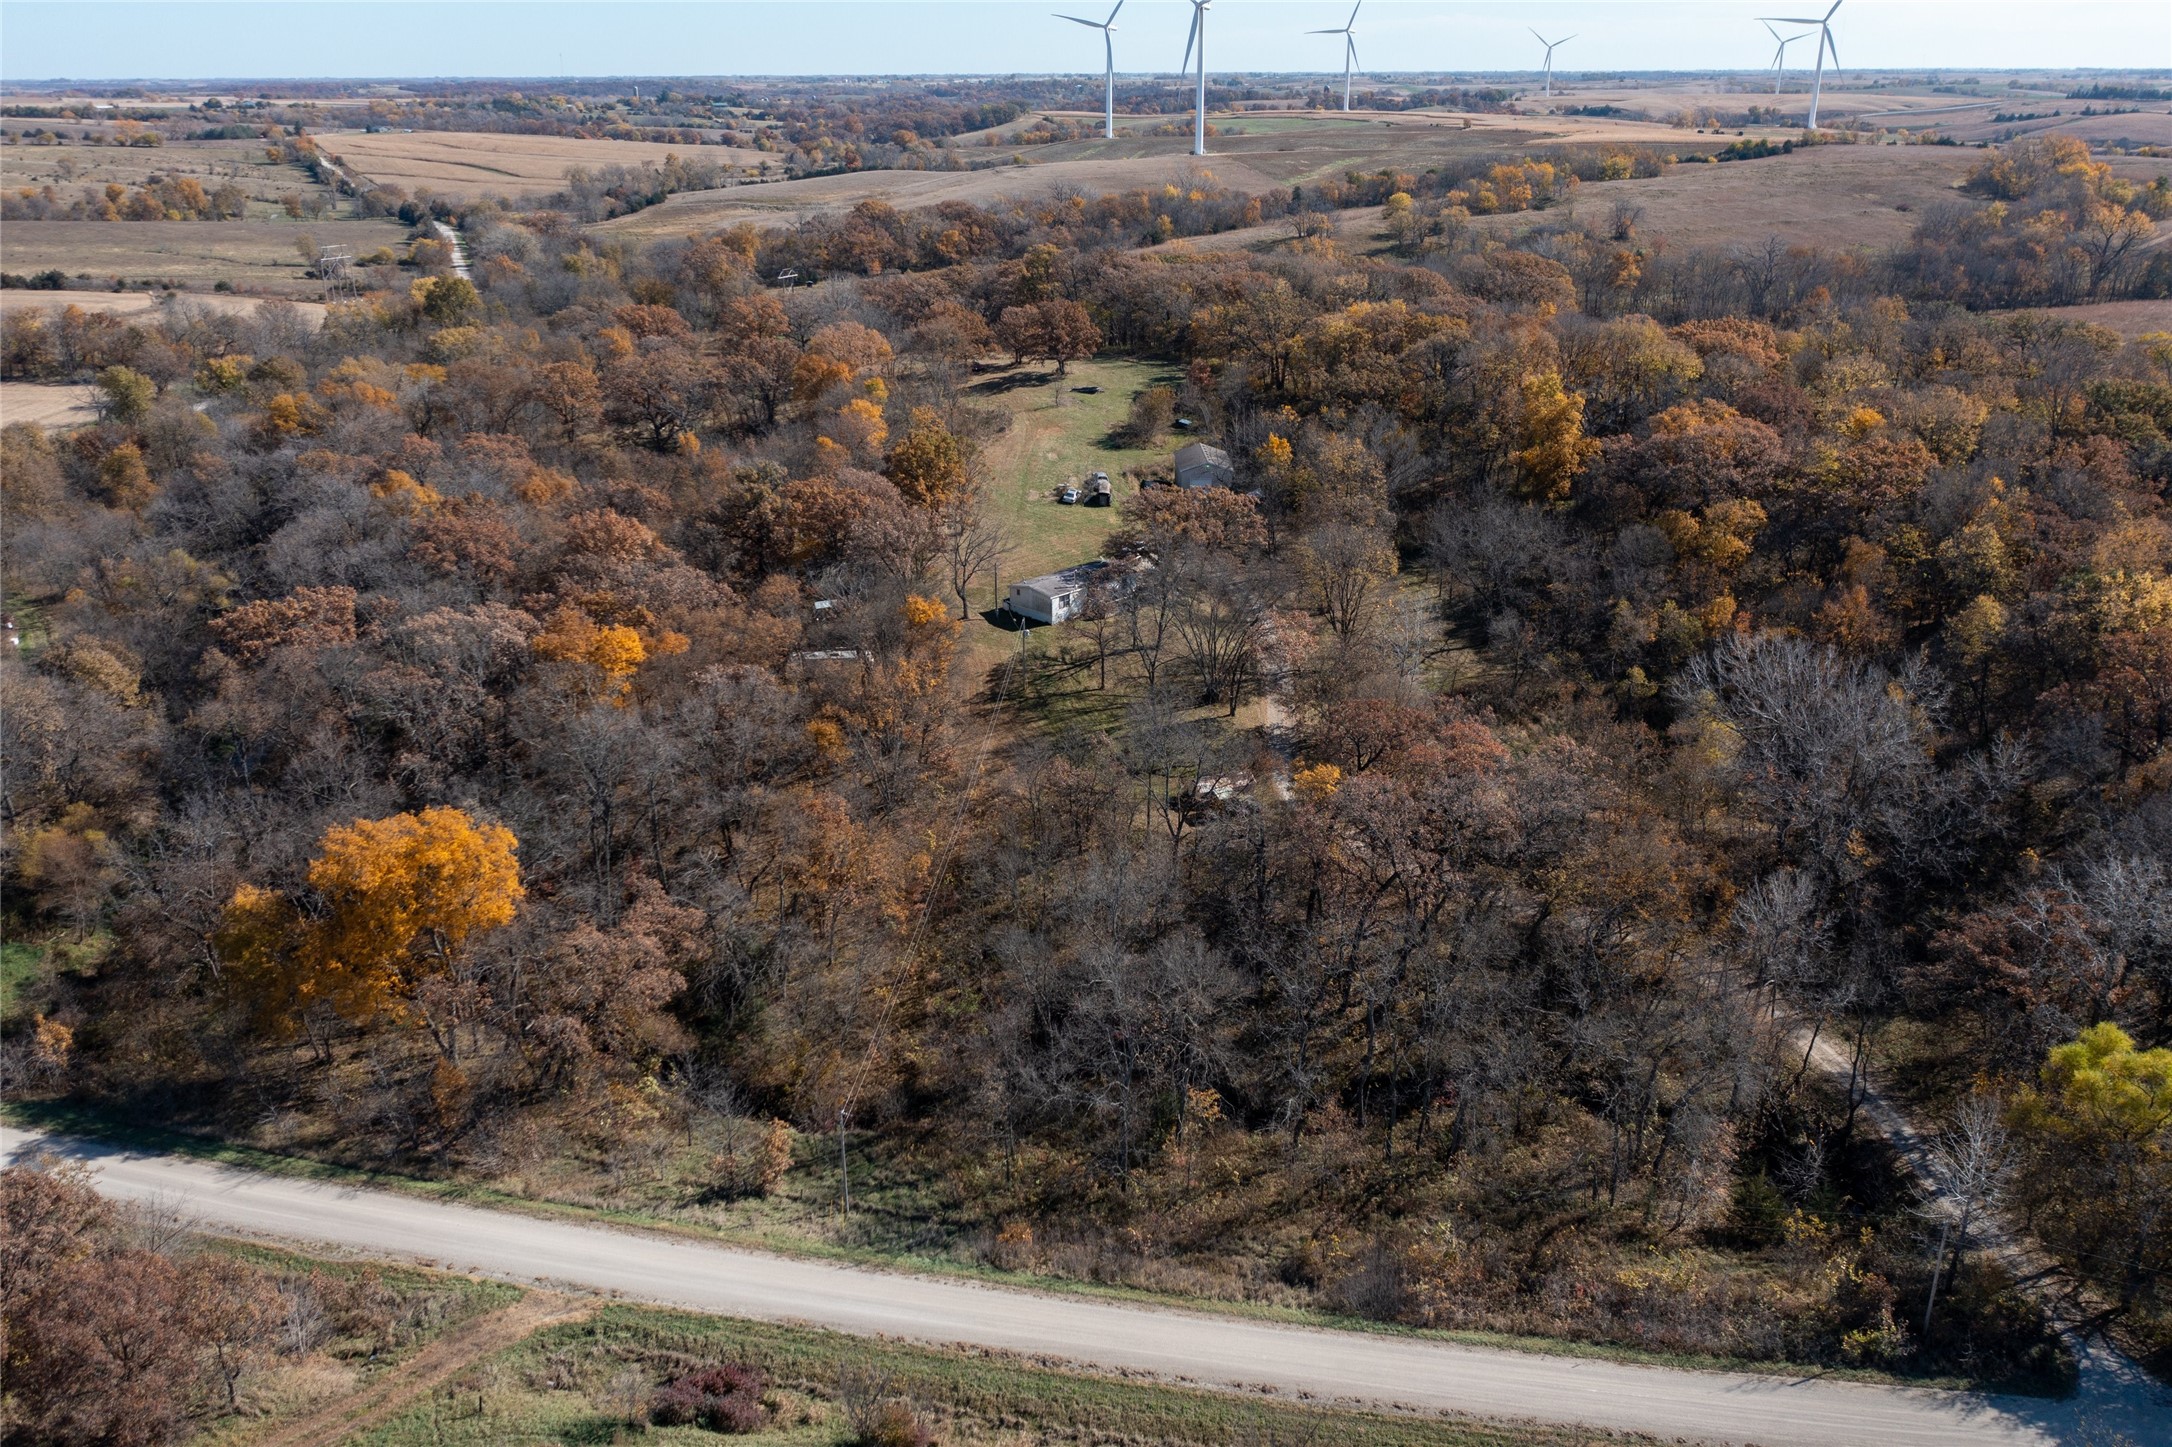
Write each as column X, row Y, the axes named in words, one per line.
column 1073, row 577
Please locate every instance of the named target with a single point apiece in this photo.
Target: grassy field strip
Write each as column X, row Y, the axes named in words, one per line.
column 977, row 1396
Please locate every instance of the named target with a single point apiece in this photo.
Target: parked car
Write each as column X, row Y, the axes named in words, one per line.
column 1069, row 494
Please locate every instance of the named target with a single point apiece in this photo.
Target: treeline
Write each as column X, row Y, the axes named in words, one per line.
column 432, row 753
column 125, row 1328
column 168, row 198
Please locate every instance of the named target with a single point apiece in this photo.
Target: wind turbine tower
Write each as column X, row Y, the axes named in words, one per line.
column 1349, row 48
column 1550, row 47
column 1108, row 103
column 1198, row 42
column 1824, row 23
column 1779, row 57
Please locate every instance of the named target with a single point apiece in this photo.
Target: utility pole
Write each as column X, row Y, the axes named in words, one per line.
column 844, row 1163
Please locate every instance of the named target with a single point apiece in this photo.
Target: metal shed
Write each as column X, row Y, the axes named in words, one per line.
column 1198, row 465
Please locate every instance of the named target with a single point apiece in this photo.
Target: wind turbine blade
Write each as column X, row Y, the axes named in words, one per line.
column 1835, row 49
column 1325, row 32
column 1538, row 37
column 1830, row 13
column 1089, row 24
column 1794, row 20
column 1564, row 40
column 1353, row 14
column 1110, row 23
column 1351, row 40
column 1189, row 41
column 1769, row 30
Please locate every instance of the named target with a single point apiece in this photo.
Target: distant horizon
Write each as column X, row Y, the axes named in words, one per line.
column 200, row 42
column 212, row 82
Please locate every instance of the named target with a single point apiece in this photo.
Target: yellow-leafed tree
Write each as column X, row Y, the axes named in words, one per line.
column 397, row 901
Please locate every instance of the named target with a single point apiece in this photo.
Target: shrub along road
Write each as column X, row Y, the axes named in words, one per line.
column 1190, row 1348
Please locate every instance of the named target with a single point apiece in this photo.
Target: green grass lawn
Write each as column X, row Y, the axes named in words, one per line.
column 1057, row 435
column 30, row 621
column 20, row 966
column 26, row 966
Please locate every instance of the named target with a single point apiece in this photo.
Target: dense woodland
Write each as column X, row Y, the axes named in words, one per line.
column 424, row 752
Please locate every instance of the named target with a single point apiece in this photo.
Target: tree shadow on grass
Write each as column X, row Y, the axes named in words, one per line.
column 1011, row 382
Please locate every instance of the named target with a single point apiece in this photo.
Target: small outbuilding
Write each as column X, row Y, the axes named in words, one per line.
column 1055, row 597
column 1198, row 465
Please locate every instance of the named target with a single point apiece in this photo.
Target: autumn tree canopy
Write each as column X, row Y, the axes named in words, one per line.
column 391, row 904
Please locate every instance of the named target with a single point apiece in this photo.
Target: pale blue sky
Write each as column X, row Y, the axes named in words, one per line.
column 188, row 39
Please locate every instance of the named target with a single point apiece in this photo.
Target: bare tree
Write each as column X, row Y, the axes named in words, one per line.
column 1221, row 624
column 1350, row 572
column 973, row 544
column 1970, row 1162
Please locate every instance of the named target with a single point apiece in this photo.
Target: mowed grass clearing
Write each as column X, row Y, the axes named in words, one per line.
column 1058, row 435
column 566, row 1383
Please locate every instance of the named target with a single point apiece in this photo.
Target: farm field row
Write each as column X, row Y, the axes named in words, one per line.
column 467, row 164
column 253, row 256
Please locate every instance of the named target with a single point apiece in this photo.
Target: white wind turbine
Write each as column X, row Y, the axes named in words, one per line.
column 1824, row 23
column 1349, row 48
column 1550, row 45
column 1108, row 103
column 1779, row 57
column 1198, row 41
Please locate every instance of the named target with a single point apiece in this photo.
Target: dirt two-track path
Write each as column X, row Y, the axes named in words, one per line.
column 1194, row 1348
column 2111, row 1387
column 353, row 1413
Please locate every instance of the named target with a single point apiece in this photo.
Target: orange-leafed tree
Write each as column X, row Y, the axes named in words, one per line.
column 930, row 463
column 1551, row 446
column 603, row 658
column 392, row 905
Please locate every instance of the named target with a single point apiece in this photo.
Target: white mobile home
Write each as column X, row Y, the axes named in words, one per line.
column 1054, row 598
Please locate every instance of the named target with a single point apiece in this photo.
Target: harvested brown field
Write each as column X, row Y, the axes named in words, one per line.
column 1832, row 196
column 1356, row 229
column 134, row 303
column 2151, row 127
column 74, row 170
column 252, row 256
column 1271, row 152
column 2128, row 318
column 49, row 404
column 1297, row 148
column 80, row 165
column 1829, row 196
column 471, row 163
column 786, row 203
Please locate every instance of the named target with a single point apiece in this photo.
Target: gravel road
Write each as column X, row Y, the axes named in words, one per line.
column 1195, row 1348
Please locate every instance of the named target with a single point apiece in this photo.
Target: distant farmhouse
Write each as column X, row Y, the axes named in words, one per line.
column 1198, row 465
